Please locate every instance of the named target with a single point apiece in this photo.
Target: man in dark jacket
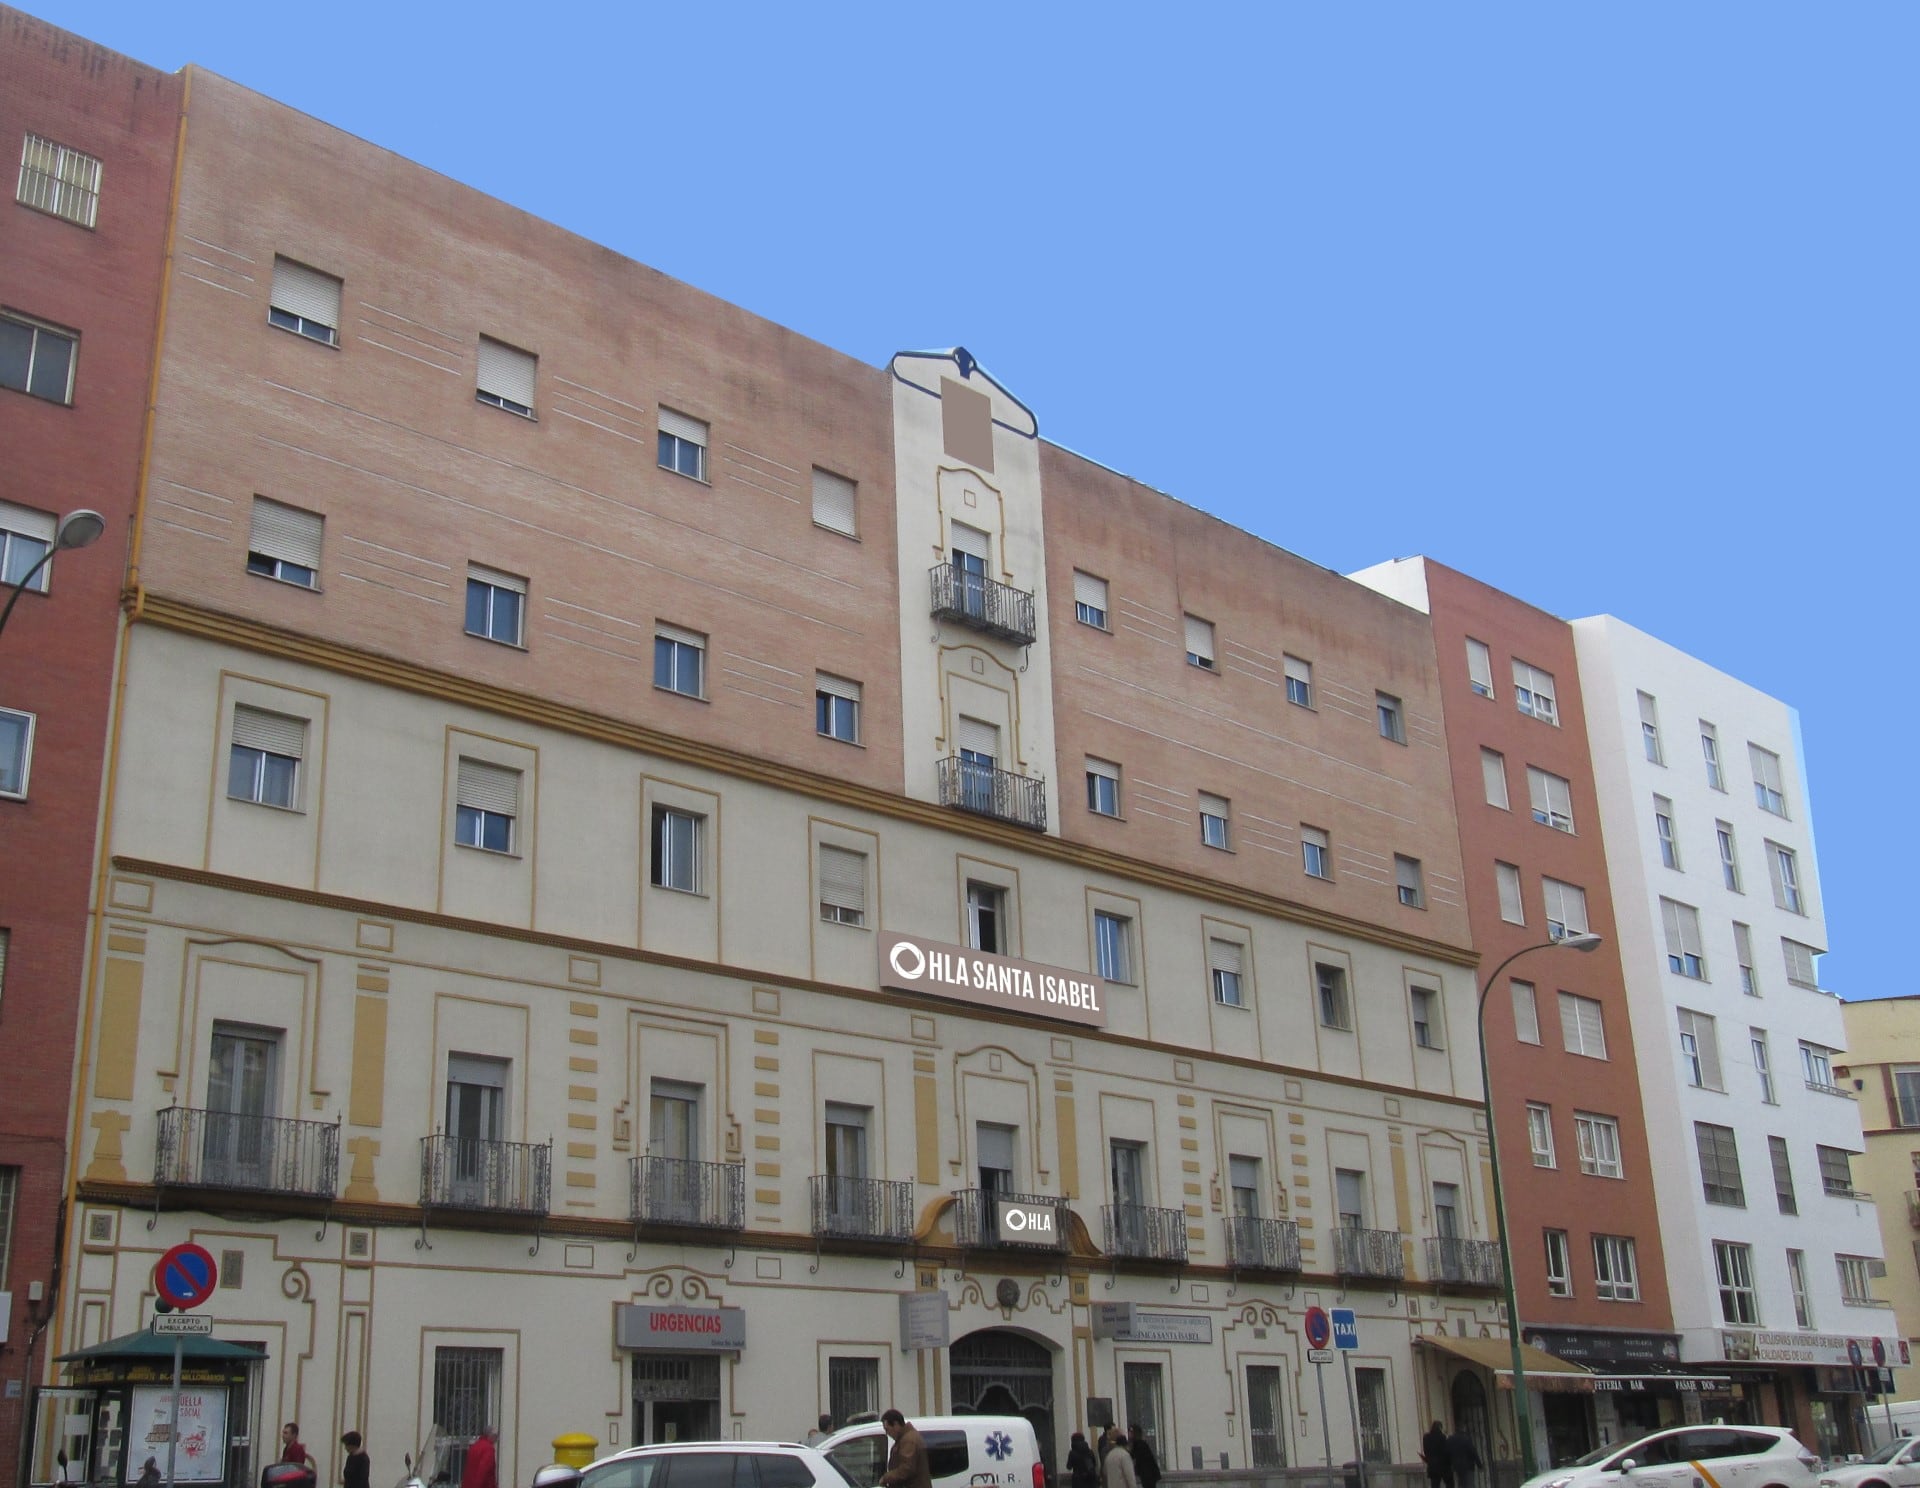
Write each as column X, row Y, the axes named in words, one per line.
column 1463, row 1456
column 1433, row 1452
column 907, row 1461
column 1146, row 1466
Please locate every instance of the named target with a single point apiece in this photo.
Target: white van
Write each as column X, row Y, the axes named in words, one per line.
column 962, row 1451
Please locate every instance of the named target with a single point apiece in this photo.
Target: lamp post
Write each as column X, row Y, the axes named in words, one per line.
column 1522, row 1415
column 76, row 530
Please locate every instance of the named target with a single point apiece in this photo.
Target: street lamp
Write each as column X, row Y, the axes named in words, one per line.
column 1522, row 1416
column 76, row 530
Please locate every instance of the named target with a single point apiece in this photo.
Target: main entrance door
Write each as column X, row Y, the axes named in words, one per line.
column 676, row 1398
column 1001, row 1373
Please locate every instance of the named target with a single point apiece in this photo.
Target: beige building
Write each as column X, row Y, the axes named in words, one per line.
column 1882, row 1070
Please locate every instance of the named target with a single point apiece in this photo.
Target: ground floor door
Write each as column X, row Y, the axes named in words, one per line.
column 1569, row 1434
column 1000, row 1373
column 676, row 1397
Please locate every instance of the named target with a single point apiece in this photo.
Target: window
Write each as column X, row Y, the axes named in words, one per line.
column 1200, row 643
column 1719, row 1164
column 1103, row 787
column 1650, row 729
column 1743, row 953
column 679, row 660
column 1243, row 1178
column 1446, row 1210
column 5, row 937
column 836, row 707
column 16, row 751
column 1681, row 923
column 58, row 180
column 1734, row 1265
column 1526, row 1012
column 1782, row 1175
column 1799, row 961
column 1566, row 906
column 1316, row 852
column 1479, row 667
column 496, row 605
column 505, row 377
column 683, row 444
column 36, row 358
column 1350, row 1198
column 1330, row 983
column 466, row 1399
column 305, row 301
column 1141, row 1390
column 1581, row 1029
column 1426, row 1017
column 676, row 849
column 1559, row 1267
column 1616, row 1278
column 1299, row 681
column 1533, row 693
column 1089, row 600
column 1836, row 1171
column 1710, row 754
column 26, row 538
column 1552, row 799
column 1266, row 1418
column 1598, row 1138
column 1762, row 1064
column 263, row 763
column 1376, row 1436
column 1506, row 878
column 1729, row 862
column 1856, row 1288
column 1700, row 1050
column 986, row 918
column 1816, row 1064
column 1906, row 1091
column 1783, row 866
column 487, row 800
column 834, row 504
column 1113, row 946
column 1797, row 1284
column 1768, row 793
column 853, row 1389
column 1214, row 821
column 843, row 885
column 1392, row 720
column 1493, row 774
column 1663, row 832
column 284, row 543
column 1223, row 963
column 1407, row 881
column 1540, row 1134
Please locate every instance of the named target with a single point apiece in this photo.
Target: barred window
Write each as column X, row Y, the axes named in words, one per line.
column 56, row 179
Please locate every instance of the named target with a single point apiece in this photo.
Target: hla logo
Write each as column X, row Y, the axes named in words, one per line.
column 1019, row 1220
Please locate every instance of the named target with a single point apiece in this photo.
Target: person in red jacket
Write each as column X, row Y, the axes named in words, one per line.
column 482, row 1466
column 292, row 1449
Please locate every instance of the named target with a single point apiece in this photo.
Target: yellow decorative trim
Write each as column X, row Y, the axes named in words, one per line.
column 580, row 1064
column 107, row 1166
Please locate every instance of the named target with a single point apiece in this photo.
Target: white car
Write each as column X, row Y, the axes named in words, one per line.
column 1896, row 1465
column 1694, row 1457
column 729, row 1464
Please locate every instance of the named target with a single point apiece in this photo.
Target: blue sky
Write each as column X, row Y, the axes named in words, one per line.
column 1611, row 306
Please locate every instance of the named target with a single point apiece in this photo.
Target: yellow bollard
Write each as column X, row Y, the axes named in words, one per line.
column 574, row 1448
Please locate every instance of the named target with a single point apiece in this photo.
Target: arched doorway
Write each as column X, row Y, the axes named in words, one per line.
column 1470, row 1412
column 998, row 1372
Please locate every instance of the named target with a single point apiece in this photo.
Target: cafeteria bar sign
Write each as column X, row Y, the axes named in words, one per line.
column 908, row 964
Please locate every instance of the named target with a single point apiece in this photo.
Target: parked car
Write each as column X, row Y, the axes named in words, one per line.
column 728, row 1464
column 1734, row 1457
column 962, row 1452
column 1896, row 1465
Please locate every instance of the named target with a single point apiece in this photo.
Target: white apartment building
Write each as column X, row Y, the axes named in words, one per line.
column 1769, row 1246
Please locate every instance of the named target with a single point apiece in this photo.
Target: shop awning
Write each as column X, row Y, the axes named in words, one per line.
column 147, row 1344
column 1544, row 1370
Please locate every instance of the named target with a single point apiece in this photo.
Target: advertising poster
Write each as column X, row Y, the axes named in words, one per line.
column 202, row 1454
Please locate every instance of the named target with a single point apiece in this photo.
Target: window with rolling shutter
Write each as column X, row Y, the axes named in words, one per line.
column 1089, row 600
column 836, row 707
column 305, row 301
column 1582, row 1031
column 1103, row 787
column 26, row 536
column 4, row 934
column 1299, row 681
column 487, row 802
column 496, row 604
column 1225, row 960
column 284, row 543
column 1215, row 821
column 1551, row 797
column 834, row 506
column 1566, row 906
column 1700, row 1049
column 1533, row 693
column 1316, row 851
column 1479, row 667
column 55, row 179
column 263, row 764
column 1506, row 877
column 843, row 885
column 979, row 740
column 1200, row 643
column 1526, row 1012
column 1799, row 961
column 1408, row 881
column 1493, row 777
column 683, row 444
column 679, row 660
column 505, row 377
column 1681, row 922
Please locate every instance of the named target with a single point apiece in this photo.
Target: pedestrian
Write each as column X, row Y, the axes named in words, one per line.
column 1146, row 1466
column 149, row 1475
column 1116, row 1468
column 1083, row 1468
column 292, row 1449
column 359, row 1467
column 1463, row 1456
column 65, row 1472
column 482, row 1465
column 1433, row 1452
column 907, row 1459
column 820, row 1432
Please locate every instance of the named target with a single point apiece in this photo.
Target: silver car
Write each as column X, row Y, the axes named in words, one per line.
column 1694, row 1457
column 1896, row 1465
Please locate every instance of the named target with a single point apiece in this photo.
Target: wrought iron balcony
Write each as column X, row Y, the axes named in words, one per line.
column 990, row 791
column 973, row 1220
column 476, row 1173
column 256, row 1154
column 1463, row 1262
column 1143, row 1233
column 976, row 601
column 1913, row 1208
column 1255, row 1244
column 678, row 1191
column 862, row 1208
column 1375, row 1253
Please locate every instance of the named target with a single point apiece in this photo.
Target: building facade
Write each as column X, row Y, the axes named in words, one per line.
column 1882, row 1069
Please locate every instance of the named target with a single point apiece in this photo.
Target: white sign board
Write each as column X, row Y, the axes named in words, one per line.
column 173, row 1324
column 923, row 1320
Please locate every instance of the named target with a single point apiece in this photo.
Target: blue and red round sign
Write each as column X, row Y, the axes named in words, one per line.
column 1319, row 1328
column 185, row 1276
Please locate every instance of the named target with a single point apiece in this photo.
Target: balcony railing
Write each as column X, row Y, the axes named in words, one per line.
column 478, row 1173
column 679, row 1191
column 1255, row 1244
column 862, row 1208
column 1375, row 1253
column 1463, row 1262
column 256, row 1154
column 973, row 1220
column 976, row 601
column 990, row 791
column 1913, row 1208
column 1142, row 1233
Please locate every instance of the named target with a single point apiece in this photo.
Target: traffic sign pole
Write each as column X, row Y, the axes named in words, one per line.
column 183, row 1278
column 1326, row 1428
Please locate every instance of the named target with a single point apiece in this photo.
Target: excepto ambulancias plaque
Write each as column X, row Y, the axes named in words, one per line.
column 908, row 964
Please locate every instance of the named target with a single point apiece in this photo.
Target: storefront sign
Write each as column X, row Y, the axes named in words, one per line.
column 680, row 1330
column 1832, row 1349
column 1125, row 1323
column 1601, row 1348
column 1655, row 1384
column 201, row 1453
column 908, row 964
column 1015, row 1223
column 923, row 1320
